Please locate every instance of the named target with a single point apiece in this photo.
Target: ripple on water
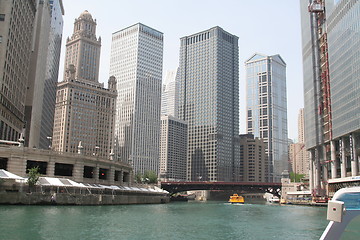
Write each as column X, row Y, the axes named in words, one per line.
column 192, row 220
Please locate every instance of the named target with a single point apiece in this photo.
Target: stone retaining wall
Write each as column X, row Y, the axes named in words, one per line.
column 81, row 199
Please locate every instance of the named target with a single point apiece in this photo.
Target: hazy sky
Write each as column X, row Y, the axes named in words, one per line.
column 263, row 26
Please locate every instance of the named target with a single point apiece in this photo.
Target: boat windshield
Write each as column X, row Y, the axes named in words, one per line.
column 351, row 200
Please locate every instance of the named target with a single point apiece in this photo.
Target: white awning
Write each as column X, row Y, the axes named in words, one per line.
column 59, row 182
column 299, row 193
column 8, row 175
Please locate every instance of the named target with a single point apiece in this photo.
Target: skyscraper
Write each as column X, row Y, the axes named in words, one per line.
column 298, row 156
column 267, row 108
column 301, row 126
column 85, row 110
column 136, row 62
column 170, row 95
column 41, row 86
column 254, row 160
column 15, row 53
column 83, row 49
column 330, row 39
column 173, row 145
column 52, row 72
column 208, row 78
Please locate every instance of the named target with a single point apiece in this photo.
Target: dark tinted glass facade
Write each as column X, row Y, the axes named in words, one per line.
column 52, row 73
column 209, row 101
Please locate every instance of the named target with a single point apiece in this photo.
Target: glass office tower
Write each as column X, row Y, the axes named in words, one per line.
column 170, row 95
column 267, row 108
column 52, row 72
column 208, row 78
column 331, row 57
column 136, row 62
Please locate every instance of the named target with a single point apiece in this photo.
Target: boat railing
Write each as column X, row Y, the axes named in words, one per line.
column 346, row 200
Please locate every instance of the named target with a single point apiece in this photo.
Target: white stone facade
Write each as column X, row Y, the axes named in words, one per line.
column 83, row 49
column 170, row 94
column 136, row 62
column 84, row 110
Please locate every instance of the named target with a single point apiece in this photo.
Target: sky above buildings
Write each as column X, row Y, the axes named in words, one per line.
column 263, row 26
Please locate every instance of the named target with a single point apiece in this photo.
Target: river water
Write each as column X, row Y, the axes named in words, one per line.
column 192, row 220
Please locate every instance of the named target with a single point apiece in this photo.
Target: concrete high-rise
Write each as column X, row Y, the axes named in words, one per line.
column 84, row 117
column 83, row 49
column 16, row 34
column 136, row 62
column 330, row 40
column 85, row 111
column 301, row 126
column 170, row 95
column 173, row 145
column 299, row 163
column 266, row 106
column 254, row 160
column 298, row 156
column 39, row 106
column 208, row 78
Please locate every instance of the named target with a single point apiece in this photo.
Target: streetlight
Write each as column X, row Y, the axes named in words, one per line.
column 111, row 154
column 50, row 142
column 96, row 153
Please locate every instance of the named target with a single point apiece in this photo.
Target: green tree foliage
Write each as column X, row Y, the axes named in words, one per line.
column 138, row 178
column 296, row 177
column 33, row 176
column 150, row 177
column 147, row 177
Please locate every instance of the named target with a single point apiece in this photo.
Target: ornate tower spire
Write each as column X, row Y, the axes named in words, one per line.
column 83, row 49
column 84, row 26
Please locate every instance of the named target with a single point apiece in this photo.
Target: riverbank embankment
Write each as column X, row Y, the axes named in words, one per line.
column 21, row 198
column 19, row 193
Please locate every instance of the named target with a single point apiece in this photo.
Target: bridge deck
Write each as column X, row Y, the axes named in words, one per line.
column 174, row 187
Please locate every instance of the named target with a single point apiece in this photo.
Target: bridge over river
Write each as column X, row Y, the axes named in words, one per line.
column 248, row 187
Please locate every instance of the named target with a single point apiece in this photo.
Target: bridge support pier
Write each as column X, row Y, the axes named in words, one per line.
column 202, row 195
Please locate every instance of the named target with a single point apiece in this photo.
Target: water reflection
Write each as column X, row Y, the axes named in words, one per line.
column 193, row 220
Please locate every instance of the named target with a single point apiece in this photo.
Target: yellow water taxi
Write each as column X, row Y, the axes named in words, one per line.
column 236, row 199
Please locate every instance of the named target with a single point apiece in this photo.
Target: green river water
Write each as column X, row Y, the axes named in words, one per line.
column 191, row 220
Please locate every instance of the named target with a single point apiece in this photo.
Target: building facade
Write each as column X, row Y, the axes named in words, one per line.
column 83, row 49
column 170, row 95
column 266, row 106
column 298, row 156
column 84, row 117
column 298, row 159
column 74, row 166
column 331, row 69
column 52, row 73
column 136, row 62
column 253, row 158
column 85, row 111
column 301, row 126
column 39, row 108
column 173, row 145
column 208, row 79
column 16, row 34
